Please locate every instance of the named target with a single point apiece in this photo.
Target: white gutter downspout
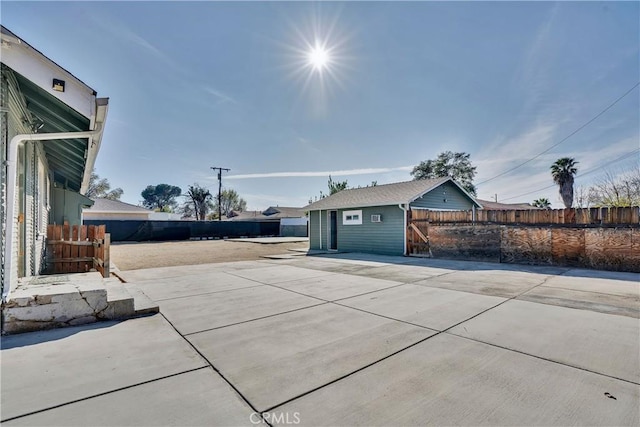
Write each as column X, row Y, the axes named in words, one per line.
column 12, row 171
column 404, row 252
column 320, row 222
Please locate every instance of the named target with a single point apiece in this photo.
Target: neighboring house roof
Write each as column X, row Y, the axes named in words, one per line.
column 382, row 195
column 284, row 212
column 270, row 214
column 115, row 206
column 489, row 205
column 250, row 216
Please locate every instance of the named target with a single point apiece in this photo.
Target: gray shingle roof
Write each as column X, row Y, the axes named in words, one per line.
column 489, row 205
column 106, row 205
column 283, row 212
column 379, row 195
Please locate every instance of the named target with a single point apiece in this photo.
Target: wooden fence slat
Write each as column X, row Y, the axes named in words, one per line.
column 76, row 248
column 586, row 216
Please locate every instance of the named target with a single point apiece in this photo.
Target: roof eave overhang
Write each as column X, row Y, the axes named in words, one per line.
column 29, row 62
column 363, row 205
column 93, row 146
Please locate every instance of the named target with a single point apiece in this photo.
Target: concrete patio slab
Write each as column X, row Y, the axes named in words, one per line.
column 63, row 365
column 185, row 270
column 625, row 285
column 315, row 263
column 433, row 308
column 270, row 240
column 208, row 311
column 274, row 274
column 196, row 398
column 196, row 284
column 402, row 273
column 452, row 381
column 602, row 274
column 585, row 300
column 602, row 343
column 499, row 283
column 276, row 359
column 367, row 259
column 337, row 286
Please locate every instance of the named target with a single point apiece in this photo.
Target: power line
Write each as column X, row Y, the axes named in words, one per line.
column 563, row 139
column 624, row 156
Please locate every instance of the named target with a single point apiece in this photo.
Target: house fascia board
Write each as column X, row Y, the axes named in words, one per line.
column 355, row 206
column 33, row 65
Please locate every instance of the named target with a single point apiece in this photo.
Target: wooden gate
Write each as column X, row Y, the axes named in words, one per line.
column 77, row 249
column 418, row 233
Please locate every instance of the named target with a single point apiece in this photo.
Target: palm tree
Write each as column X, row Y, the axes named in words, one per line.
column 542, row 203
column 563, row 171
column 201, row 199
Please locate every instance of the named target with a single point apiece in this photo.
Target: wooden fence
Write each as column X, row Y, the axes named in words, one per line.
column 575, row 216
column 607, row 238
column 77, row 249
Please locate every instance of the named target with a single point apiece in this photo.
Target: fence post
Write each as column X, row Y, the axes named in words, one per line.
column 107, row 258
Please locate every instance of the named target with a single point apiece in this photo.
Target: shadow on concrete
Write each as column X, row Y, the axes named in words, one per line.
column 32, row 338
column 463, row 265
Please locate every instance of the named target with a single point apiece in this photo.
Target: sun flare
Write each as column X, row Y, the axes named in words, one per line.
column 318, row 57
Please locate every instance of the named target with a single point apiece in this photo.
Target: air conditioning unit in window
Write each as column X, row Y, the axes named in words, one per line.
column 376, row 218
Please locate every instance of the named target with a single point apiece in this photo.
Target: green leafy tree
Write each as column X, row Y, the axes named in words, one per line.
column 161, row 197
column 542, row 203
column 336, row 186
column 230, row 201
column 200, row 200
column 455, row 165
column 99, row 188
column 563, row 172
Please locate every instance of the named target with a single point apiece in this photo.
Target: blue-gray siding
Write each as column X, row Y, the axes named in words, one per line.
column 435, row 199
column 386, row 237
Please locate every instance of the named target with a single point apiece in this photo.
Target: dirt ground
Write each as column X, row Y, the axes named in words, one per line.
column 133, row 256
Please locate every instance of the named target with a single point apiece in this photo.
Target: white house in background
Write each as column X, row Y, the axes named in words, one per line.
column 106, row 210
column 51, row 130
column 293, row 221
column 109, row 210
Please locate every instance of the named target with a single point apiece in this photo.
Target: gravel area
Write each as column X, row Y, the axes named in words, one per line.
column 133, row 256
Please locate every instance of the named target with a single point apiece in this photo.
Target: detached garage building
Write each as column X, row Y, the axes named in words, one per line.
column 374, row 219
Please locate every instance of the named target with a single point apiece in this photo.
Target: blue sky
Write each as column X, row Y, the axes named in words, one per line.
column 200, row 84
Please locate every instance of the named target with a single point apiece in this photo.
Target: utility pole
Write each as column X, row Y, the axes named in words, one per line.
column 220, row 189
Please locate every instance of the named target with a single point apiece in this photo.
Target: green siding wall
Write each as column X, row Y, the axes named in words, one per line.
column 315, row 234
column 386, row 237
column 434, row 199
column 314, row 231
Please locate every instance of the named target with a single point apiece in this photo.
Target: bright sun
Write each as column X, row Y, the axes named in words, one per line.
column 318, row 57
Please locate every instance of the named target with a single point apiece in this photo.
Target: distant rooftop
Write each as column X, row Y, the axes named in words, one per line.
column 107, row 205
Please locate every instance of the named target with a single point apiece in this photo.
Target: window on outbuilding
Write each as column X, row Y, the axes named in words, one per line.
column 352, row 217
